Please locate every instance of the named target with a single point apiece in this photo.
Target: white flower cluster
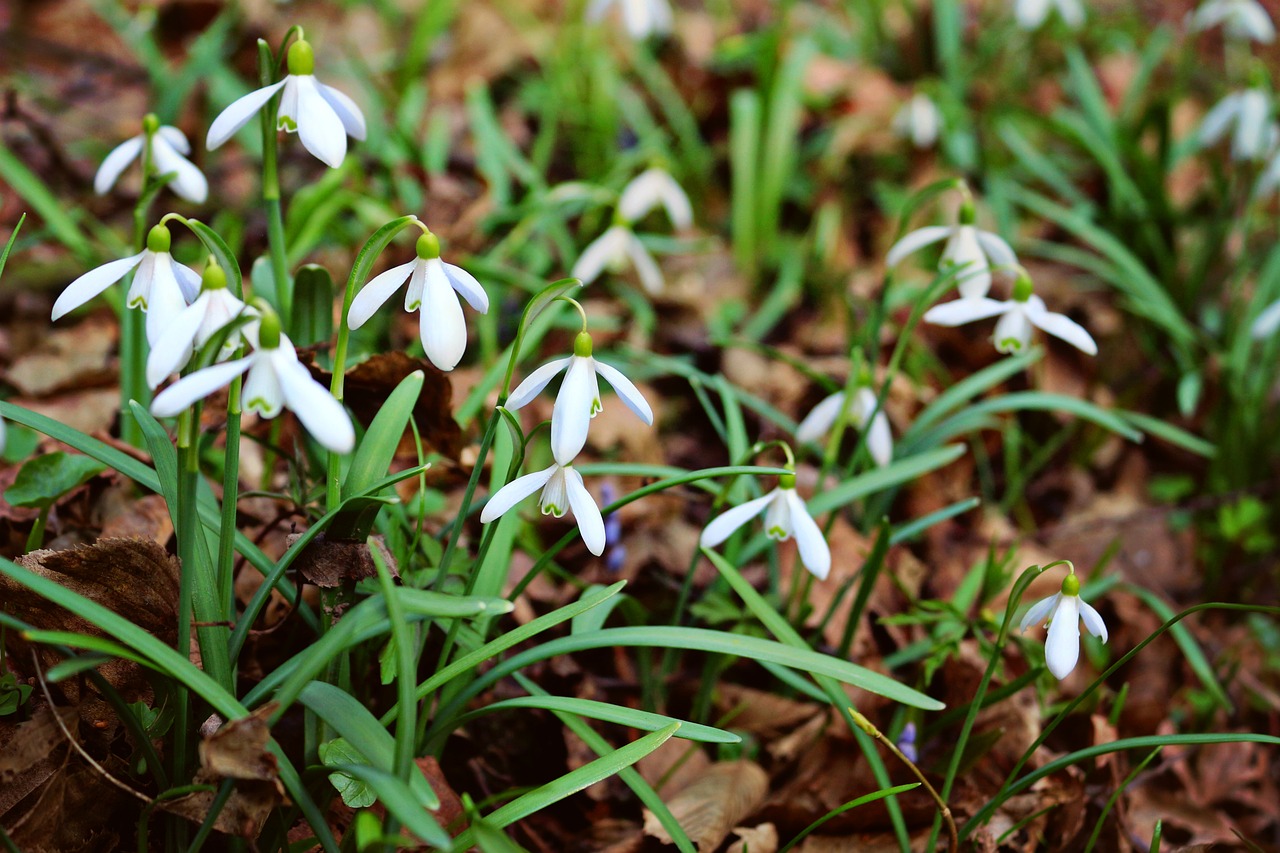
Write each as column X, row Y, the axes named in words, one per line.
column 619, row 245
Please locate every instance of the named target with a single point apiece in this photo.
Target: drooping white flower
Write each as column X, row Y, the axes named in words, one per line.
column 195, row 326
column 619, row 245
column 168, row 147
column 161, row 287
column 578, row 400
column 276, row 380
column 785, row 516
column 1267, row 322
column 322, row 116
column 1031, row 14
column 1241, row 19
column 651, row 188
column 1249, row 113
column 562, row 490
column 863, row 414
column 432, row 283
column 1064, row 612
column 1017, row 316
column 968, row 247
column 919, row 120
column 642, row 18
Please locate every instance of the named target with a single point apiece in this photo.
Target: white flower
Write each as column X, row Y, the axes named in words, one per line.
column 619, row 244
column 1240, row 19
column 1017, row 316
column 919, row 120
column 1249, row 111
column 195, row 326
column 967, row 247
column 785, row 516
column 276, row 379
column 1030, row 14
column 579, row 398
column 1064, row 611
column 862, row 413
column 562, row 489
column 643, row 18
column 432, row 283
column 322, row 116
column 161, row 287
column 1267, row 322
column 168, row 145
column 649, row 189
column 1269, row 180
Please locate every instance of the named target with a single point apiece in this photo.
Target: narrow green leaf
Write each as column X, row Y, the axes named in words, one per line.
column 631, row 717
column 399, row 802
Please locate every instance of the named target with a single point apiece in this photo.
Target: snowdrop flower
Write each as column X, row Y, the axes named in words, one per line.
column 1240, row 19
column 276, row 379
column 919, row 120
column 579, row 398
column 649, row 189
column 863, row 414
column 1064, row 612
column 643, row 18
column 1269, row 180
column 1017, row 316
column 322, row 116
column 1248, row 111
column 785, row 516
column 562, row 490
column 1267, row 322
column 619, row 244
column 1030, row 14
column 196, row 325
column 432, row 283
column 162, row 287
column 967, row 247
column 168, row 147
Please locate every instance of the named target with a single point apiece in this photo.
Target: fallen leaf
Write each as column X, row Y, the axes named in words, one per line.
column 714, row 803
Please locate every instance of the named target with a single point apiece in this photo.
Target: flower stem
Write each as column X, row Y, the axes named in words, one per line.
column 230, row 499
column 186, row 530
column 133, row 331
column 283, row 301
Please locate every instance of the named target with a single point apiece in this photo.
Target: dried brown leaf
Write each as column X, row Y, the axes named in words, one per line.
column 714, row 804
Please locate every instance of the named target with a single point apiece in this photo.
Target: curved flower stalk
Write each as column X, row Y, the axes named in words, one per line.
column 919, row 120
column 785, row 516
column 322, row 116
column 863, row 414
column 162, row 287
column 642, row 18
column 562, row 490
column 619, row 245
column 276, row 380
column 973, row 250
column 578, row 400
column 1031, row 14
column 1247, row 114
column 1244, row 20
column 168, row 149
column 195, row 326
column 1017, row 316
column 432, row 283
column 1064, row 611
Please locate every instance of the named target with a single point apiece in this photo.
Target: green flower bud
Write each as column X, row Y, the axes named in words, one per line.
column 1022, row 288
column 582, row 345
column 428, row 246
column 1071, row 585
column 786, row 481
column 301, row 58
column 159, row 239
column 214, row 276
column 968, row 213
column 150, row 124
column 268, row 325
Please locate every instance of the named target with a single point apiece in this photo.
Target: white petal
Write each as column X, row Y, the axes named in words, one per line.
column 1252, row 21
column 915, row 241
column 188, row 182
column 262, row 391
column 172, row 352
column 1250, row 140
column 1072, row 13
column 600, row 253
column 585, row 512
column 514, row 492
column 1000, row 252
column 627, row 391
column 821, row 419
column 237, row 115
column 880, row 439
column 466, row 284
column 651, row 188
column 94, row 282
column 321, row 414
column 1268, row 321
column 115, row 163
column 182, row 394
column 1093, row 620
column 964, row 251
column 377, row 291
column 443, row 327
column 188, row 280
column 417, row 285
column 1031, row 13
column 814, row 552
column 1061, row 326
column 348, row 113
column 534, row 383
column 1013, row 331
column 964, row 311
column 1218, row 119
column 319, row 126
column 723, row 525
column 646, row 267
column 575, row 405
column 1039, row 611
column 1211, row 14
column 176, row 138
column 164, row 299
column 1062, row 645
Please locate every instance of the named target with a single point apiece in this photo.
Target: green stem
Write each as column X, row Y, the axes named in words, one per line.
column 230, row 499
column 187, row 529
column 275, row 218
column 133, row 330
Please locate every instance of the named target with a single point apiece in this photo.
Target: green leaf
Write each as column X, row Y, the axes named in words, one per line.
column 43, row 480
column 312, row 306
column 898, row 472
column 221, row 252
column 595, row 710
column 8, row 246
column 355, row 793
column 394, row 794
column 1187, row 643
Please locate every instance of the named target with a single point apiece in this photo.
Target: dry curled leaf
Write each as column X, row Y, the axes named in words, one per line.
column 714, row 804
column 329, row 564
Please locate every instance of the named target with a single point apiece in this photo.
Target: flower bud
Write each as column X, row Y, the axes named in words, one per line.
column 150, row 124
column 301, row 59
column 1071, row 585
column 968, row 213
column 582, row 345
column 786, row 481
column 428, row 246
column 268, row 325
column 159, row 239
column 214, row 277
column 1022, row 288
